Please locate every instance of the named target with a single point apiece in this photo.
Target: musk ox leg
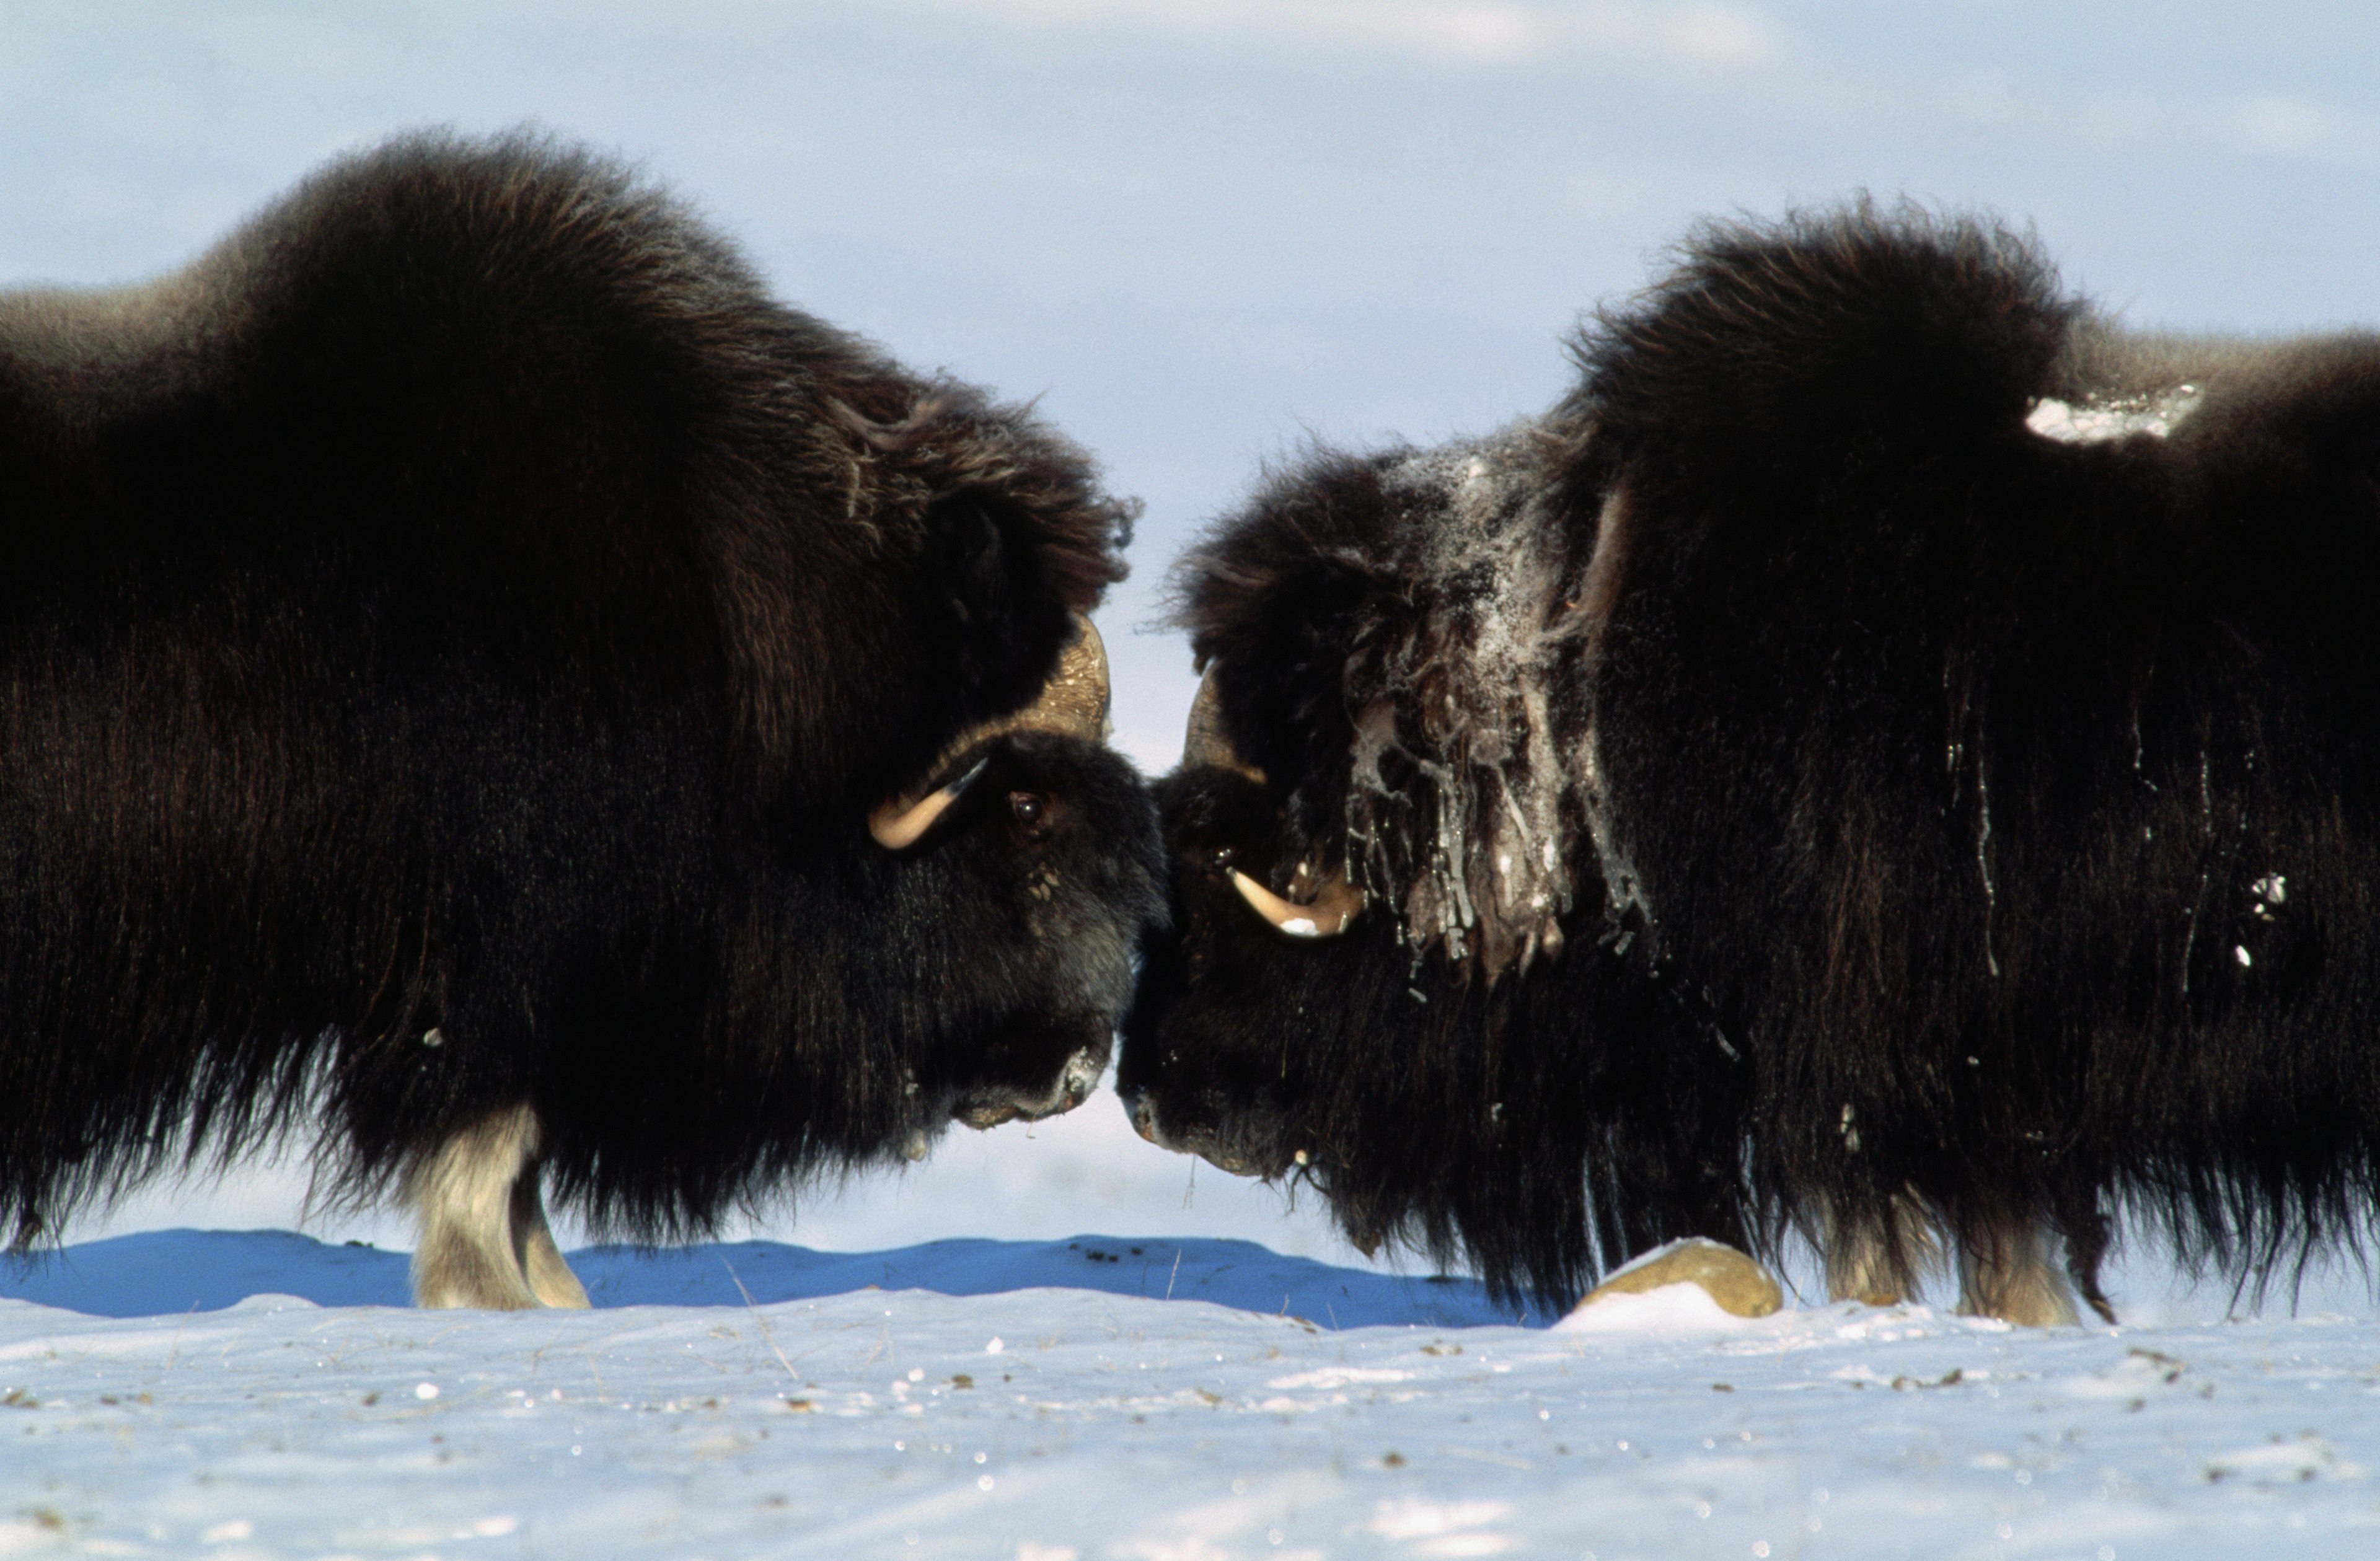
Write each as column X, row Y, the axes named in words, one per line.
column 550, row 1278
column 483, row 1239
column 2087, row 1240
column 1877, row 1262
column 2007, row 1271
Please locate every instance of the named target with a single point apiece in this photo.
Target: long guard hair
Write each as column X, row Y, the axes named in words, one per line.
column 1985, row 710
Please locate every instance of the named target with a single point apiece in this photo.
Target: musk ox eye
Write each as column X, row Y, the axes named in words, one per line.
column 1223, row 857
column 1030, row 808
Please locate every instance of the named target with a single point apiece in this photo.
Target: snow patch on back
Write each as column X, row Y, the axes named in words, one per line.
column 2098, row 423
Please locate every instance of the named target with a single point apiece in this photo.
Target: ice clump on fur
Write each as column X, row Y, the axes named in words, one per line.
column 2097, row 422
column 1457, row 681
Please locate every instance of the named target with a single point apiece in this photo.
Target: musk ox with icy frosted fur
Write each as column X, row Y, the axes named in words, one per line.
column 1940, row 725
column 1388, row 973
column 484, row 686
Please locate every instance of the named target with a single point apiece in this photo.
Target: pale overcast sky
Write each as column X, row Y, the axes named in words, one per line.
column 1204, row 230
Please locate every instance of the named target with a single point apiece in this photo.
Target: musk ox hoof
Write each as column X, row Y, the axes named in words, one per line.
column 484, row 1241
column 1742, row 1286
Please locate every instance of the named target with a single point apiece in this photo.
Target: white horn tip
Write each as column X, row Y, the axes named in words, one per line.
column 1318, row 920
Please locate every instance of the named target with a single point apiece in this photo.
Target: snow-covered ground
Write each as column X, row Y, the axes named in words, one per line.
column 1044, row 1400
column 1196, row 232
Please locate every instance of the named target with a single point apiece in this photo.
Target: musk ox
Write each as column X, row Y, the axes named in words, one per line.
column 1388, row 973
column 1900, row 762
column 485, row 687
column 1984, row 706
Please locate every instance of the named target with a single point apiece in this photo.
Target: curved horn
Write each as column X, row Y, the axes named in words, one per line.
column 1075, row 700
column 1327, row 918
column 1205, row 742
column 1073, row 703
column 897, row 823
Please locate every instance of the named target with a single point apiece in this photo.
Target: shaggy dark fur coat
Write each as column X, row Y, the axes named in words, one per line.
column 1940, row 726
column 1984, row 708
column 1467, row 1066
column 451, row 638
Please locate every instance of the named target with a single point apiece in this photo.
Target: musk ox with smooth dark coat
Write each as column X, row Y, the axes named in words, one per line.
column 483, row 684
column 1945, row 728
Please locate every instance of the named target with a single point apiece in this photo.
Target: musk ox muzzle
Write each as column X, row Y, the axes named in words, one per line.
column 1246, row 1148
column 1076, row 1079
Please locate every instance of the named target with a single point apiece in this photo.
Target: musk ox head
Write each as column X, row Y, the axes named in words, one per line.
column 1392, row 969
column 1031, row 856
column 957, row 945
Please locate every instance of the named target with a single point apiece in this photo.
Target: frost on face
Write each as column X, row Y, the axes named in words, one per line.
column 1456, row 797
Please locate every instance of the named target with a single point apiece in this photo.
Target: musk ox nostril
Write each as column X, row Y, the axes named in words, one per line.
column 1144, row 1118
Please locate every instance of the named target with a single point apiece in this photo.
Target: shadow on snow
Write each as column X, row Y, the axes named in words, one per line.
column 163, row 1272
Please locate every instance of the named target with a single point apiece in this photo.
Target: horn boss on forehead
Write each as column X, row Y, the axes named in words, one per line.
column 1205, row 742
column 1073, row 703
